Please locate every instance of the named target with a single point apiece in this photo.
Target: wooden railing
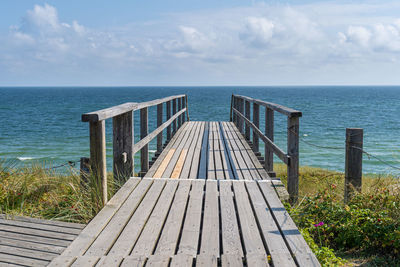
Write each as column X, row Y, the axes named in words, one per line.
column 124, row 147
column 240, row 115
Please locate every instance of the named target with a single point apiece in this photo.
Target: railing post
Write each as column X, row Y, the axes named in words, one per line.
column 247, row 115
column 293, row 153
column 241, row 121
column 269, row 132
column 168, row 113
column 144, row 152
column 122, row 146
column 230, row 113
column 256, row 121
column 159, row 122
column 187, row 108
column 179, row 108
column 183, row 106
column 98, row 157
column 353, row 165
column 234, row 104
column 173, row 113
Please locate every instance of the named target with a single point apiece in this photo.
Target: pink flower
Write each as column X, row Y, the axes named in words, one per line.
column 319, row 224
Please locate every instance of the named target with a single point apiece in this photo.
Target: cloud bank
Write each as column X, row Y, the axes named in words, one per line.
column 256, row 45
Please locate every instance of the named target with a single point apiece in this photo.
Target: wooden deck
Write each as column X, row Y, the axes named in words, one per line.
column 206, row 201
column 33, row 242
column 171, row 222
column 208, row 150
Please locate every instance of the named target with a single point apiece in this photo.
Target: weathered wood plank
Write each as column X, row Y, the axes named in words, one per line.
column 293, row 153
column 202, row 171
column 181, row 260
column 288, row 228
column 259, row 261
column 225, row 155
column 62, row 261
column 164, row 164
column 133, row 228
column 64, row 225
column 158, row 261
column 204, row 260
column 110, row 233
column 122, row 146
column 191, row 227
column 191, row 161
column 44, row 227
column 27, row 253
column 106, row 261
column 85, row 261
column 231, row 260
column 17, row 260
column 210, row 233
column 218, row 153
column 36, row 232
column 168, row 241
column 35, row 239
column 152, row 230
column 134, row 261
column 93, row 229
column 253, row 243
column 179, row 164
column 231, row 243
column 31, row 245
column 211, row 162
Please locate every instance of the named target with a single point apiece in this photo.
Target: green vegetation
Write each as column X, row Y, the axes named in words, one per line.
column 364, row 230
column 37, row 192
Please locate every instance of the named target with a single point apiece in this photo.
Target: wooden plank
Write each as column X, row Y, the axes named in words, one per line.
column 179, row 164
column 110, row 233
column 160, row 159
column 231, row 260
column 16, row 260
column 204, row 260
column 253, row 243
column 134, row 261
column 226, row 159
column 294, row 240
column 98, row 156
column 35, row 239
column 245, row 152
column 147, row 241
column 44, row 227
column 211, row 162
column 62, row 261
column 281, row 109
column 168, row 241
column 164, row 164
column 156, row 102
column 64, row 225
column 181, row 260
column 195, row 164
column 191, row 227
column 259, row 261
column 270, row 231
column 85, row 261
column 188, row 164
column 219, row 168
column 132, row 230
column 31, row 245
column 231, row 243
column 229, row 159
column 210, row 232
column 27, row 253
column 202, row 172
column 122, row 146
column 36, row 232
column 97, row 224
column 106, row 261
column 158, row 261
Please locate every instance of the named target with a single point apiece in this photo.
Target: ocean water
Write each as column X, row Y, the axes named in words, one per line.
column 43, row 125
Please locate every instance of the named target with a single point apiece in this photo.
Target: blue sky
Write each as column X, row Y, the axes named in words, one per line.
column 124, row 43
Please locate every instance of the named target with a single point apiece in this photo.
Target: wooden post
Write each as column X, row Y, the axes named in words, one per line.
column 269, row 132
column 230, row 113
column 187, row 108
column 184, row 106
column 234, row 104
column 98, row 157
column 179, row 108
column 168, row 113
column 173, row 113
column 144, row 152
column 122, row 146
column 159, row 122
column 293, row 153
column 256, row 121
column 241, row 121
column 353, row 165
column 247, row 115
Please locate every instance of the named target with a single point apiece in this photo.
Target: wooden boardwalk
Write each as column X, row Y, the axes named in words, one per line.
column 34, row 242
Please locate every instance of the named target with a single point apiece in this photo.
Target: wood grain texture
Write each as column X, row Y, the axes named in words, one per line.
column 122, row 143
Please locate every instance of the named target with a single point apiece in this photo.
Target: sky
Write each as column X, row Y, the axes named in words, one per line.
column 199, row 43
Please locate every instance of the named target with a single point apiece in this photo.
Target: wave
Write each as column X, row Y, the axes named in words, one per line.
column 25, row 158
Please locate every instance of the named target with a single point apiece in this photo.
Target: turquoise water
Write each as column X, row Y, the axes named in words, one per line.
column 43, row 124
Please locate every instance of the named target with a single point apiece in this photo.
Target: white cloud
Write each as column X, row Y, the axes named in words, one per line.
column 258, row 31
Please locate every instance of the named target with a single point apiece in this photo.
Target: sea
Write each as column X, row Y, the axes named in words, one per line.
column 42, row 125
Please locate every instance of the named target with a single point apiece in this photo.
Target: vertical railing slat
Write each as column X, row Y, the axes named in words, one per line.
column 179, row 108
column 256, row 121
column 122, row 146
column 247, row 115
column 293, row 153
column 168, row 113
column 98, row 157
column 269, row 132
column 144, row 152
column 173, row 113
column 159, row 122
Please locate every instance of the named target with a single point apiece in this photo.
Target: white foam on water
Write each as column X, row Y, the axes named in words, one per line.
column 25, row 158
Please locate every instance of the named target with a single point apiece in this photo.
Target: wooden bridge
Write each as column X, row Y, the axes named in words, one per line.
column 207, row 198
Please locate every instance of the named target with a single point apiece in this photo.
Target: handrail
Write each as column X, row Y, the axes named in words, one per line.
column 107, row 113
column 240, row 114
column 124, row 148
column 282, row 109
